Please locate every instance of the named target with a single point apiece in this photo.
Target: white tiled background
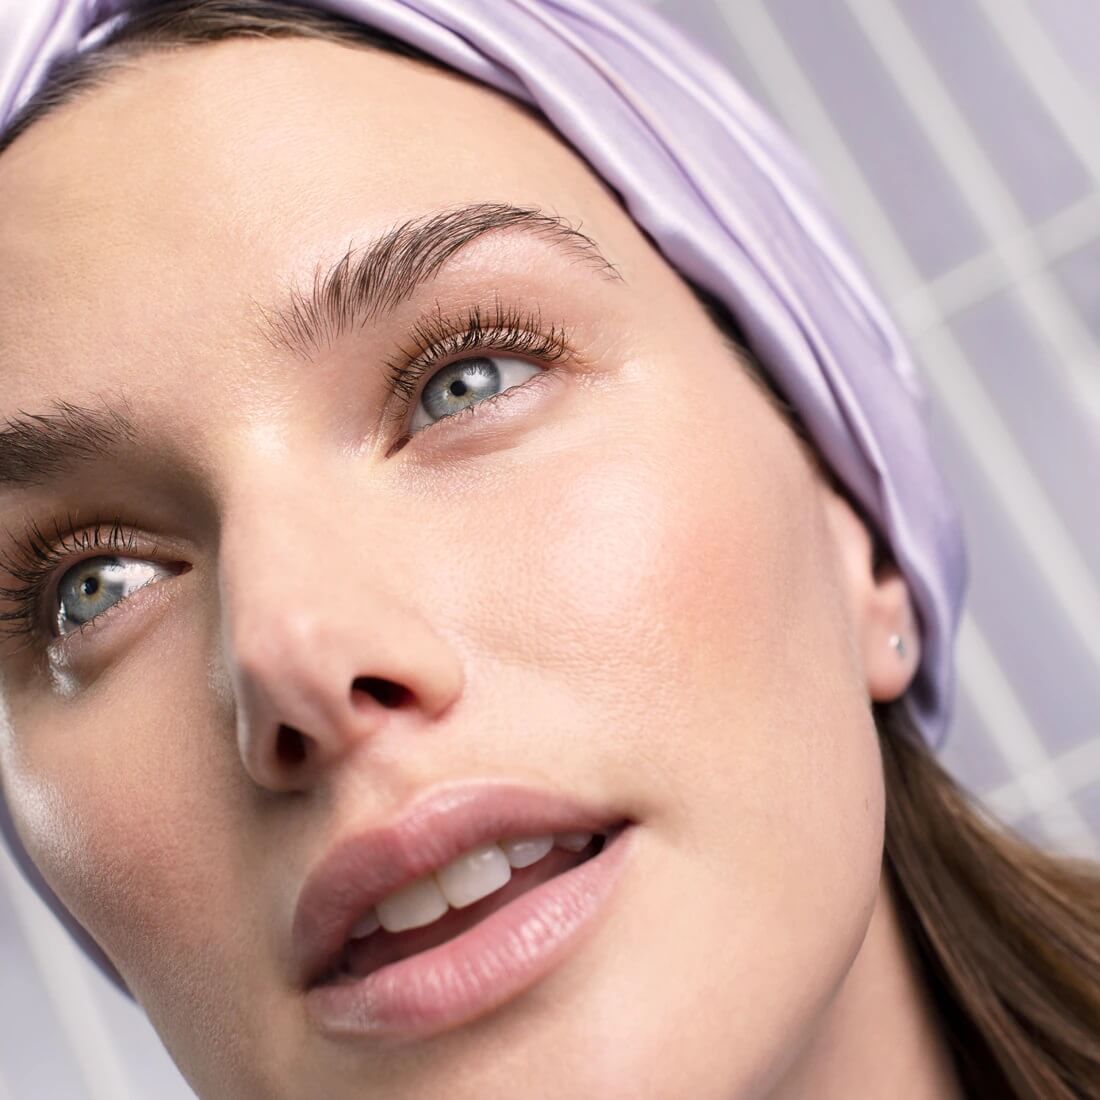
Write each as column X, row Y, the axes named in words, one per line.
column 960, row 143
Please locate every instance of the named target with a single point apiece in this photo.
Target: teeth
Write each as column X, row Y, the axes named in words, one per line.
column 367, row 924
column 522, row 853
column 417, row 904
column 574, row 842
column 474, row 875
column 469, row 878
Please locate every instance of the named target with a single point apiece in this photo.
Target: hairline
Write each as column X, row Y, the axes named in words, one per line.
column 73, row 76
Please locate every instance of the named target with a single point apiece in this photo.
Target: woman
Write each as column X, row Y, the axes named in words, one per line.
column 449, row 654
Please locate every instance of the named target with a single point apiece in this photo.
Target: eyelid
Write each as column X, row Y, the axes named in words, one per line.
column 440, row 339
column 161, row 569
column 483, row 415
column 58, row 646
column 37, row 562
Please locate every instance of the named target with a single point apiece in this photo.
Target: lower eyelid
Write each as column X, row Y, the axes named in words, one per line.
column 506, row 365
column 62, row 643
column 490, row 409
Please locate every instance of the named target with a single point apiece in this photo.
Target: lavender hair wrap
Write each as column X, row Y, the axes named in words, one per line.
column 730, row 205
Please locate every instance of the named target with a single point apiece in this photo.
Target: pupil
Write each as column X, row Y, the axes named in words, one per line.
column 458, row 388
column 89, row 586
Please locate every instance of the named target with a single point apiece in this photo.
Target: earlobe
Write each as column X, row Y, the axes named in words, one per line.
column 887, row 638
column 890, row 643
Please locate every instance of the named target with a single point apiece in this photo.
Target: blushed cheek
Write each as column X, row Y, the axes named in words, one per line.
column 670, row 573
column 687, row 587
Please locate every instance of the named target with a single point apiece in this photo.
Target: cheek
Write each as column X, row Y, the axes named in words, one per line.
column 663, row 587
column 664, row 572
column 680, row 634
column 123, row 805
column 132, row 815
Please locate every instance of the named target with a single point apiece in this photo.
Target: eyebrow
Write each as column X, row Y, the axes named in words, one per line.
column 368, row 281
column 38, row 447
column 365, row 282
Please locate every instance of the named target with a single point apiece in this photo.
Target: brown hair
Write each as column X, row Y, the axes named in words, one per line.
column 1005, row 936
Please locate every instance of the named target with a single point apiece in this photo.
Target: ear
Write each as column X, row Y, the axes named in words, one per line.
column 879, row 604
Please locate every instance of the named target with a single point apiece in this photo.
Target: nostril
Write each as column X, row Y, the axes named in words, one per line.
column 386, row 692
column 290, row 746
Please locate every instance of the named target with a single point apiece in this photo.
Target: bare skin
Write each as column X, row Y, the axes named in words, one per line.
column 629, row 584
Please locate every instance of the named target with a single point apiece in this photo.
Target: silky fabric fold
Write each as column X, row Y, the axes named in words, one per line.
column 729, row 203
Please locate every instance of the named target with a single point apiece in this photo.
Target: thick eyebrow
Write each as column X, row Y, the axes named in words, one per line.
column 364, row 282
column 38, row 447
column 373, row 279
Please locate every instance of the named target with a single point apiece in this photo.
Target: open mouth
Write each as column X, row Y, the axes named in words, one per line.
column 364, row 954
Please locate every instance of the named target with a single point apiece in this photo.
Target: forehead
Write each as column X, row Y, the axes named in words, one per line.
column 194, row 172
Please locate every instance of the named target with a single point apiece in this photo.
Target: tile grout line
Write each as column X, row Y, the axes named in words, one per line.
column 781, row 75
column 1023, row 498
column 1070, row 107
column 1021, row 746
column 780, row 72
column 1075, row 770
column 947, row 371
column 983, row 190
column 961, row 393
column 984, row 275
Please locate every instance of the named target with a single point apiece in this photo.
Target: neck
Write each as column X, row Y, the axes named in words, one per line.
column 880, row 1036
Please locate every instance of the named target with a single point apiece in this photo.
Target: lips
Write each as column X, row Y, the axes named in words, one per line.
column 433, row 830
column 365, row 956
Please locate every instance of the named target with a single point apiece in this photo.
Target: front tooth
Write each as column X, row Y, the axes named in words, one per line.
column 368, row 923
column 522, row 853
column 474, row 875
column 412, row 906
column 573, row 841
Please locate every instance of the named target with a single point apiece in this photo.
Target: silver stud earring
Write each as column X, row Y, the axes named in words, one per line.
column 897, row 644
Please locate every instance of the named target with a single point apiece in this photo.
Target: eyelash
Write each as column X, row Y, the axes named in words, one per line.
column 35, row 559
column 436, row 341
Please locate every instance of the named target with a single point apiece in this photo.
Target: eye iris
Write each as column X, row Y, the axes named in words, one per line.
column 92, row 586
column 459, row 385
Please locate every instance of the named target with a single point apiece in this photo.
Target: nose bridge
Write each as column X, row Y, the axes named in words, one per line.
column 321, row 645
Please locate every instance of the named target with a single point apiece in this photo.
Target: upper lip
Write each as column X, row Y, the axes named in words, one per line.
column 435, row 828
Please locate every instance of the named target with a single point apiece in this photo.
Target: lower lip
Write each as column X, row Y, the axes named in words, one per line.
column 487, row 965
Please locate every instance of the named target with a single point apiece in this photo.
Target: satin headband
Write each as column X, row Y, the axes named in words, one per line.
column 729, row 203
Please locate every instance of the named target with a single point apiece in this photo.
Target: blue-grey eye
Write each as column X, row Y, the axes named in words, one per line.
column 95, row 584
column 466, row 382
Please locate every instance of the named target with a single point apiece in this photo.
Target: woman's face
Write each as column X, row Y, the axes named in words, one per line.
column 624, row 584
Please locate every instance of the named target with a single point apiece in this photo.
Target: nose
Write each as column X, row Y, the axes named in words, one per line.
column 323, row 648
